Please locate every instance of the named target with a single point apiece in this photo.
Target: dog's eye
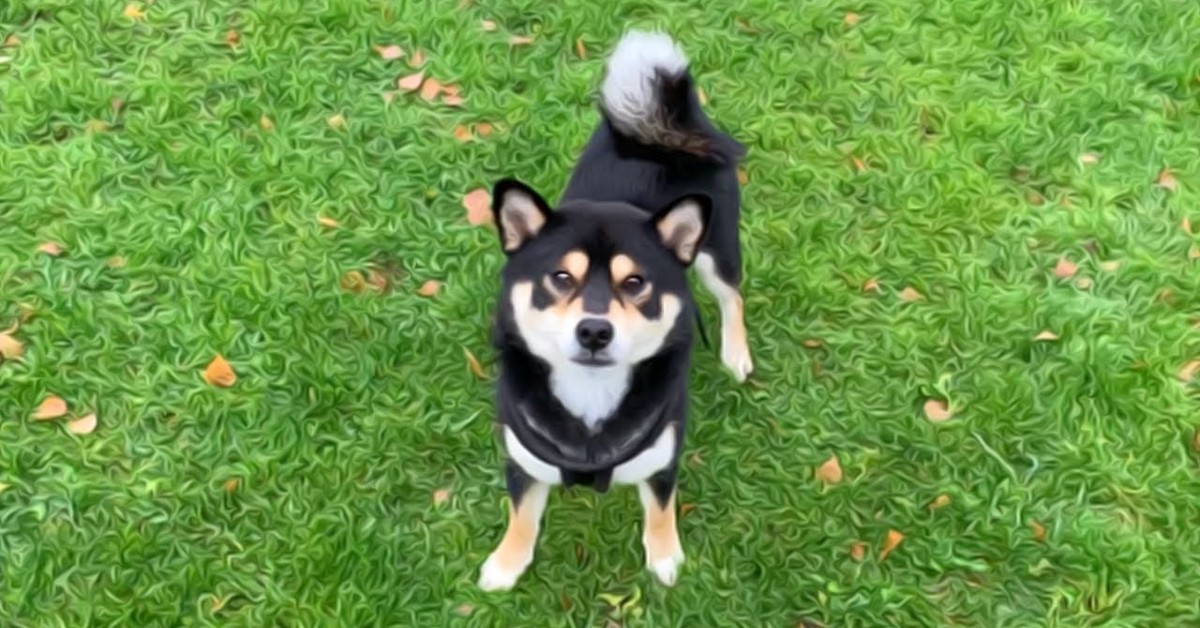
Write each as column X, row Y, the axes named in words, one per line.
column 562, row 280
column 633, row 284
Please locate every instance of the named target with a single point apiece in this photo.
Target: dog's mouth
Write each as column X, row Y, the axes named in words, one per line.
column 597, row 360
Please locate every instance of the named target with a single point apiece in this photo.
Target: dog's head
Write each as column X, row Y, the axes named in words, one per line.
column 597, row 284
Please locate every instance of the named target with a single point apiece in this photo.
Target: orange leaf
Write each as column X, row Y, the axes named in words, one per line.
column 417, row 60
column 337, row 121
column 937, row 411
column 580, row 48
column 890, row 544
column 51, row 407
column 265, row 123
column 831, row 471
column 1089, row 159
column 454, row 89
column 452, row 100
column 1188, row 371
column 1166, row 180
column 859, row 164
column 1065, row 268
column 389, row 53
column 412, row 82
column 353, row 281
column 430, row 90
column 462, row 133
column 231, row 485
column 1039, row 531
column 941, row 501
column 219, row 373
column 133, row 12
column 484, row 129
column 53, row 249
column 10, row 347
column 851, row 19
column 83, row 425
column 871, row 285
column 232, row 38
column 1110, row 266
column 474, row 365
column 858, row 551
column 1186, row 225
column 440, row 496
column 520, row 40
column 910, row 294
column 488, row 25
column 328, row 222
column 430, row 288
column 479, row 206
column 1046, row 335
column 813, row 343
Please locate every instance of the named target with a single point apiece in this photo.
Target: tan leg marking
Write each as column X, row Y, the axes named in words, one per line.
column 660, row 537
column 510, row 559
column 735, row 349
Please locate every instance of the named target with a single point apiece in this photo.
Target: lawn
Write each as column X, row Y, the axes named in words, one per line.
column 930, row 186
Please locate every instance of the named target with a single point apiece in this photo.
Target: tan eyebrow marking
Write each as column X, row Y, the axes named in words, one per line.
column 621, row 267
column 576, row 263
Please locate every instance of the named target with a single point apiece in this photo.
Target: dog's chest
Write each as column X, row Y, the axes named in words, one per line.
column 589, row 394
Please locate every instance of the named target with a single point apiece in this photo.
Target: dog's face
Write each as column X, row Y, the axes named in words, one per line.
column 600, row 285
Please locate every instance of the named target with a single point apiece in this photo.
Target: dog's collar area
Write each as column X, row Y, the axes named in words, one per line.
column 594, row 455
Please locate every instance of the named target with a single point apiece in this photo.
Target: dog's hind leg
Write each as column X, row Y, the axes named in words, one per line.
column 660, row 537
column 721, row 278
column 510, row 559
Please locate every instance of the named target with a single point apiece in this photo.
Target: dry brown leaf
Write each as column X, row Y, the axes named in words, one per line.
column 430, row 90
column 484, row 129
column 858, row 551
column 1084, row 283
column 51, row 407
column 83, row 425
column 1196, row 440
column 1039, row 531
column 1089, row 159
column 937, row 411
column 265, row 123
column 1110, row 266
column 1186, row 225
column 814, row 343
column 377, row 280
column 219, row 373
column 134, row 12
column 830, row 472
column 12, row 41
column 890, row 544
column 417, row 59
column 231, row 485
column 440, row 496
column 337, row 121
column 478, row 204
column 353, row 281
column 233, row 38
column 96, row 126
column 1166, row 180
column 430, row 288
column 580, row 48
column 464, row 609
column 1046, row 335
column 462, row 133
column 474, row 365
column 851, row 19
column 390, row 52
column 412, row 82
column 325, row 221
column 1065, row 268
column 487, row 26
column 53, row 249
column 910, row 294
column 117, row 106
column 941, row 501
column 859, row 164
column 743, row 176
column 871, row 285
column 1188, row 371
column 520, row 40
column 1194, row 252
column 686, row 508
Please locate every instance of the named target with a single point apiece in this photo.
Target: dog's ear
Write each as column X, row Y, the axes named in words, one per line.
column 520, row 213
column 681, row 225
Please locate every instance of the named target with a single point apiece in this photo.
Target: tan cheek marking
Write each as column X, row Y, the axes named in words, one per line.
column 575, row 263
column 661, row 535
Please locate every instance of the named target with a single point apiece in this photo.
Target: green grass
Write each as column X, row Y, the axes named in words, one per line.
column 352, row 410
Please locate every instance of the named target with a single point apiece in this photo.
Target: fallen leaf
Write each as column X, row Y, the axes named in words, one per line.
column 566, row 602
column 1084, row 283
column 233, row 38
column 388, row 97
column 487, row 26
column 1065, row 268
column 1186, row 225
column 4, row 486
column 440, row 496
column 702, row 96
column 1035, row 198
column 1196, row 440
column 83, row 425
column 133, row 12
column 454, row 89
column 265, row 123
column 484, row 129
column 53, row 249
column 1194, row 252
column 430, row 288
column 910, row 294
column 328, row 222
column 858, row 551
column 231, row 485
column 830, row 472
column 520, row 40
column 96, row 126
column 417, row 59
column 1110, row 266
column 813, row 343
column 1166, row 180
column 686, row 508
column 430, row 90
column 479, row 207
column 1188, row 371
column 219, row 373
column 871, row 285
column 464, row 609
column 473, row 364
column 337, row 121
column 890, row 544
column 5, row 59
column 859, row 164
column 452, row 100
column 117, row 105
column 353, row 281
column 851, row 19
column 1039, row 531
column 580, row 48
column 116, row 261
column 1089, row 159
column 51, row 407
column 389, row 53
column 742, row 176
column 12, row 41
column 937, row 411
column 1046, row 335
column 412, row 82
column 10, row 347
column 941, row 501
column 377, row 280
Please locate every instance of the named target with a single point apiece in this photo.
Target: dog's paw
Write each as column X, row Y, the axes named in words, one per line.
column 666, row 569
column 736, row 356
column 496, row 577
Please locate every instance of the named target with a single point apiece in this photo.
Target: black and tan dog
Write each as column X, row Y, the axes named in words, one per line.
column 594, row 328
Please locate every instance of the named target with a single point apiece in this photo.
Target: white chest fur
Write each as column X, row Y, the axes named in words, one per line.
column 591, row 394
column 650, row 461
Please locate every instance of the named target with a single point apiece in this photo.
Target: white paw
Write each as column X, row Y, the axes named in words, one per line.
column 736, row 357
column 493, row 577
column 666, row 569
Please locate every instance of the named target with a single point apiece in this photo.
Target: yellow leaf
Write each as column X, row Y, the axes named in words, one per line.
column 116, row 261
column 937, row 411
column 1166, row 180
column 337, row 121
column 231, row 485
column 1194, row 252
column 580, row 48
column 851, row 19
column 1084, row 283
column 84, row 425
column 134, row 12
column 520, row 40
column 941, row 501
column 478, row 204
column 1186, row 225
column 353, row 281
column 871, row 285
column 219, row 373
column 1110, row 266
column 4, row 486
column 1188, row 371
column 1089, row 159
column 487, row 25
column 1039, row 531
column 52, row 407
column 474, row 365
column 890, row 544
column 859, row 164
column 266, row 123
column 430, row 288
column 1046, row 335
column 830, row 472
column 813, row 343
column 328, row 222
column 743, row 177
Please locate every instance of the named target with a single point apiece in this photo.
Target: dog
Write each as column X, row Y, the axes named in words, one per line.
column 594, row 326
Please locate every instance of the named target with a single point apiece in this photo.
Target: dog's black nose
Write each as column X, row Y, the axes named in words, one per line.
column 594, row 333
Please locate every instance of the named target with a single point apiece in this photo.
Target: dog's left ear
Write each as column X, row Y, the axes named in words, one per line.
column 520, row 213
column 681, row 225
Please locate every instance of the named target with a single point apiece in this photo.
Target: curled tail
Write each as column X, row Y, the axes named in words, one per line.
column 648, row 96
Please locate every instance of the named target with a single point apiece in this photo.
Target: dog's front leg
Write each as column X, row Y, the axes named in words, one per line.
column 660, row 537
column 527, row 500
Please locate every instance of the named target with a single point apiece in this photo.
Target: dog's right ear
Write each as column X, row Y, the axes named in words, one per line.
column 520, row 213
